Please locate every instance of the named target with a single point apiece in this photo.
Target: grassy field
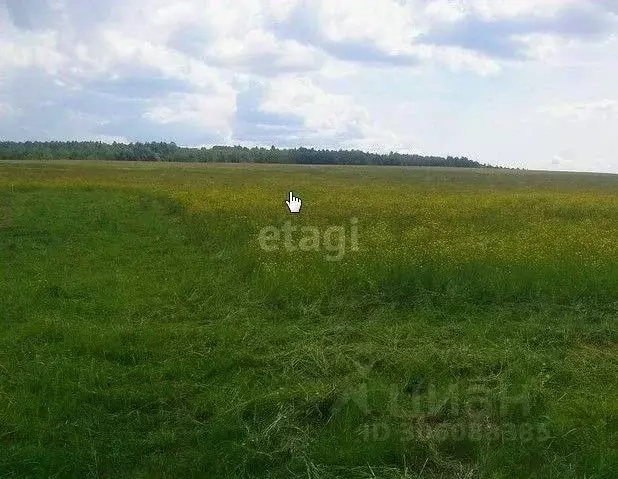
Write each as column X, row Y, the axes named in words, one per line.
column 145, row 332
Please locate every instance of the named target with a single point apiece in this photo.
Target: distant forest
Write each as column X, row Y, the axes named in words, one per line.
column 159, row 151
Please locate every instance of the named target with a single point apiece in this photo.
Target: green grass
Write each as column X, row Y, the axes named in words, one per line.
column 144, row 333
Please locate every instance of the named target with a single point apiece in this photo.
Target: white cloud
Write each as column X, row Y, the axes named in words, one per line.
column 251, row 50
column 123, row 49
column 376, row 140
column 492, row 9
column 445, row 10
column 460, row 59
column 542, row 46
column 24, row 50
column 6, row 111
column 323, row 113
column 605, row 109
column 388, row 24
column 211, row 112
column 326, row 116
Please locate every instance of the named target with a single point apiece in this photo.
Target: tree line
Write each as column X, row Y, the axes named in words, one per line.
column 162, row 151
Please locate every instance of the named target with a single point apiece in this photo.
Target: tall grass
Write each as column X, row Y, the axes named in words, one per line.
column 144, row 333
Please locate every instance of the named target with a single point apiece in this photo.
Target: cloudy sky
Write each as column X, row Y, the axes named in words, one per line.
column 520, row 83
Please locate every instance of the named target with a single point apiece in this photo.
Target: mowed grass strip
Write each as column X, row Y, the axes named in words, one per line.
column 145, row 333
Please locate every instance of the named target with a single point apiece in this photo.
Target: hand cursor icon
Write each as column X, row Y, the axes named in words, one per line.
column 294, row 203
